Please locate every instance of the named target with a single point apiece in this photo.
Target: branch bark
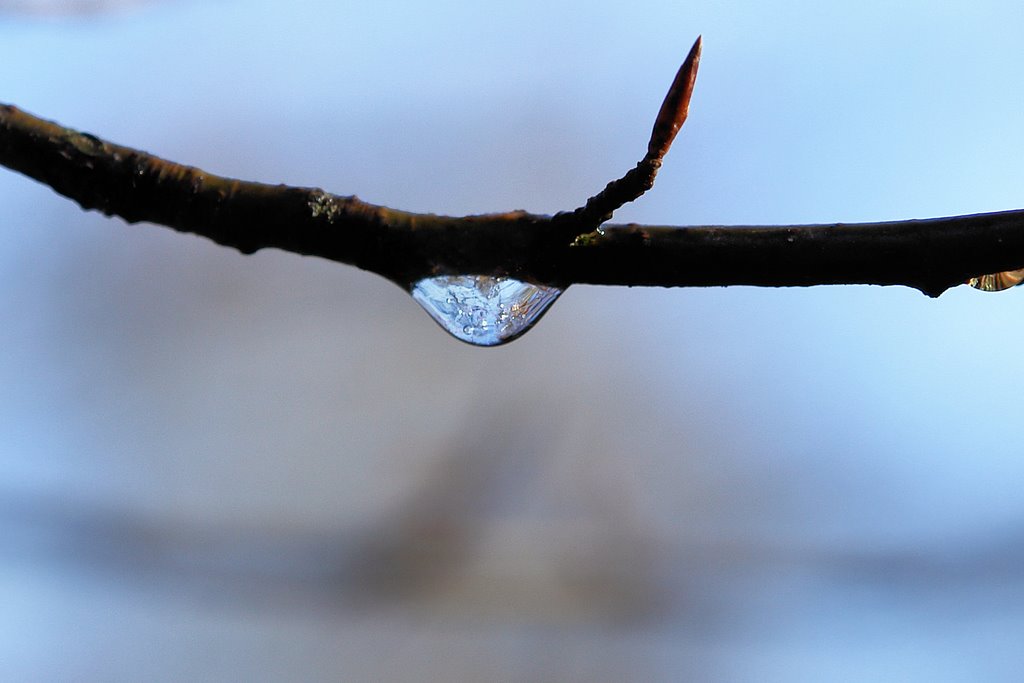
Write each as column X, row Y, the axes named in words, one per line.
column 572, row 247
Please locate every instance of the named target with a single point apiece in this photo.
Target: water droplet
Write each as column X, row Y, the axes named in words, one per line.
column 481, row 309
column 997, row 282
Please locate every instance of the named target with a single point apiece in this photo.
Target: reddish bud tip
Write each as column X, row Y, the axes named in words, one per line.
column 676, row 105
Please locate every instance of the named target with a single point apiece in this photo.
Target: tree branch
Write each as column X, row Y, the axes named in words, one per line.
column 572, row 247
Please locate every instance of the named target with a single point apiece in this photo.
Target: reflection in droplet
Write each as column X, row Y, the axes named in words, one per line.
column 482, row 309
column 997, row 282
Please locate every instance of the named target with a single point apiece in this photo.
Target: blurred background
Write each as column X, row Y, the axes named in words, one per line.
column 223, row 467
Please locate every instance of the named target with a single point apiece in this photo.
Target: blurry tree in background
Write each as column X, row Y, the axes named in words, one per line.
column 275, row 468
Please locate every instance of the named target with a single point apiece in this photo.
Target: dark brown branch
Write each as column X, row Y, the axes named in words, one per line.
column 929, row 255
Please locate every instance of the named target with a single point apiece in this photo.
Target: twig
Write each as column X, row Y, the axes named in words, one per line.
column 671, row 116
column 929, row 255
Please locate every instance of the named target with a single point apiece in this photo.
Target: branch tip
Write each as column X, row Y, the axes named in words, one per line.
column 676, row 106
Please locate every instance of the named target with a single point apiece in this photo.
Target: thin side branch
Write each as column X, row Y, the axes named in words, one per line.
column 573, row 247
column 671, row 116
